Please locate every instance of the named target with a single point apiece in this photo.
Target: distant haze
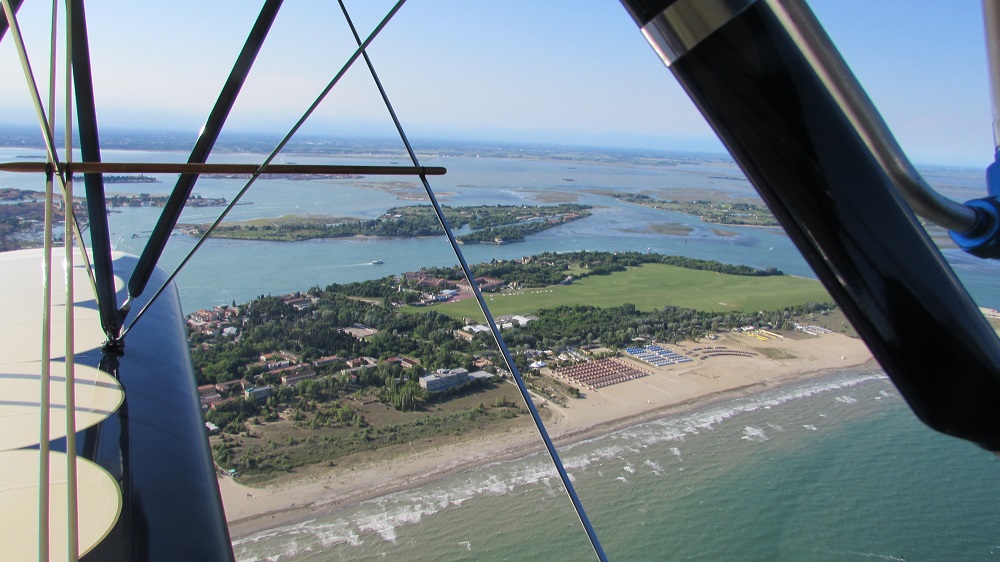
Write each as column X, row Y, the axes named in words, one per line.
column 570, row 73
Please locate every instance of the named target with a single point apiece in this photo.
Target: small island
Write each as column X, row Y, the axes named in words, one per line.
column 129, row 178
column 715, row 212
column 491, row 224
column 147, row 200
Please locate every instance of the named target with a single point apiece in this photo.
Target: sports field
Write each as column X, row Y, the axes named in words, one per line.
column 649, row 287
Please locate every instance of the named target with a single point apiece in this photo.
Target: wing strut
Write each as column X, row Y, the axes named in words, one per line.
column 90, row 148
column 270, row 157
column 199, row 155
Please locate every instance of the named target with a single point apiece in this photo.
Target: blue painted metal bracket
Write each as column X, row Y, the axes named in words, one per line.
column 983, row 240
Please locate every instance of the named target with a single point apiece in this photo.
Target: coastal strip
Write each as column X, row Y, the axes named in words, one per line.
column 665, row 392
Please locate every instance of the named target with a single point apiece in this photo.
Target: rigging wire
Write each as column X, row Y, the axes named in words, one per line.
column 3, row 22
column 29, row 76
column 71, row 484
column 47, row 136
column 73, row 534
column 44, row 400
column 52, row 158
column 550, row 447
column 267, row 161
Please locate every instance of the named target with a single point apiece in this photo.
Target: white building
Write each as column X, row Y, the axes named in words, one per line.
column 258, row 393
column 444, row 379
column 480, row 375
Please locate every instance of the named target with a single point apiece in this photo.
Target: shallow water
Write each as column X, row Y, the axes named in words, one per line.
column 831, row 469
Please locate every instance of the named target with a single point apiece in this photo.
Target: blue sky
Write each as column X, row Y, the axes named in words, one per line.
column 524, row 70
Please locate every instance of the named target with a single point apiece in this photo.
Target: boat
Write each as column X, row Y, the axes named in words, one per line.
column 377, row 262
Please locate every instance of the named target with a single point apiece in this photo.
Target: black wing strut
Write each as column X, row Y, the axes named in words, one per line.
column 90, row 148
column 752, row 71
column 202, row 148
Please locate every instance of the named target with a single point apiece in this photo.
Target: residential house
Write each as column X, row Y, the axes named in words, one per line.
column 326, row 360
column 230, row 387
column 292, row 379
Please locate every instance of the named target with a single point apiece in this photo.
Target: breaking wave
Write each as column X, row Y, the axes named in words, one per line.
column 380, row 519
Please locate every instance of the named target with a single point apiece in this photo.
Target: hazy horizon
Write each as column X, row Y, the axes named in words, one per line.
column 552, row 74
column 110, row 141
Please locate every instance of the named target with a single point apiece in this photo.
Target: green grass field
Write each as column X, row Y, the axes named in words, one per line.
column 649, row 287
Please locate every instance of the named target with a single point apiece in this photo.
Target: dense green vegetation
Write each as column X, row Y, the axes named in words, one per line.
column 317, row 436
column 650, row 287
column 510, row 222
column 619, row 298
column 506, row 234
column 268, row 324
column 717, row 212
column 550, row 268
column 617, row 327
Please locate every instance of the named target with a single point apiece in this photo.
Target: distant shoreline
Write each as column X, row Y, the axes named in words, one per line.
column 387, row 148
column 492, row 224
column 318, row 489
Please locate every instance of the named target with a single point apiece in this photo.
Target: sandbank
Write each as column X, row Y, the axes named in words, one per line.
column 665, row 391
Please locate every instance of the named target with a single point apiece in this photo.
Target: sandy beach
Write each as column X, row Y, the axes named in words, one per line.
column 666, row 391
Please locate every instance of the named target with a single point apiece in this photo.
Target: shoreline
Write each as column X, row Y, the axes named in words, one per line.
column 321, row 488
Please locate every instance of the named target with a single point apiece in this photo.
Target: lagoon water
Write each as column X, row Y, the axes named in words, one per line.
column 831, row 469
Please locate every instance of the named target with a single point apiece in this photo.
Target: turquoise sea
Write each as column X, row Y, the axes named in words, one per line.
column 830, row 469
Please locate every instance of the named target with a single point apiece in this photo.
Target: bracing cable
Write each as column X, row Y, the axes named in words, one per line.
column 73, row 531
column 267, row 161
column 44, row 398
column 52, row 156
column 199, row 154
column 501, row 344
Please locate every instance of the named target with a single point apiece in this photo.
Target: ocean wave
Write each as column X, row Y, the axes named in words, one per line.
column 677, row 428
column 654, row 466
column 752, row 434
column 291, row 540
column 383, row 516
